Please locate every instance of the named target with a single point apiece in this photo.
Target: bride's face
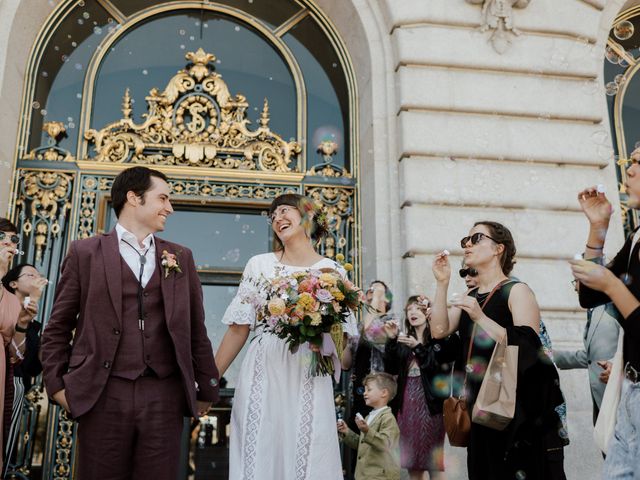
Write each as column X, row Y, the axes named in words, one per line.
column 285, row 222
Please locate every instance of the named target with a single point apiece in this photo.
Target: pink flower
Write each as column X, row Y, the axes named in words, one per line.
column 324, row 296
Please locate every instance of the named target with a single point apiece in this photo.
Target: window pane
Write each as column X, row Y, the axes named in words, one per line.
column 151, row 54
column 327, row 94
column 58, row 92
column 271, row 12
column 219, row 239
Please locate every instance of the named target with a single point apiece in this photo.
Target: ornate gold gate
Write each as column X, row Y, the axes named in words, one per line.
column 198, row 133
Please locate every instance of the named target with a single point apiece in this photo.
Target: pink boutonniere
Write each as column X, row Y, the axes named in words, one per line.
column 170, row 263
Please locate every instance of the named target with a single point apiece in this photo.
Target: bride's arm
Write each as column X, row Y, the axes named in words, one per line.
column 232, row 342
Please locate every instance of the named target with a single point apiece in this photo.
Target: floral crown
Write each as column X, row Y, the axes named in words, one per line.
column 313, row 213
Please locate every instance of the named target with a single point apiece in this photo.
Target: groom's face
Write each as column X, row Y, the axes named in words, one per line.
column 154, row 208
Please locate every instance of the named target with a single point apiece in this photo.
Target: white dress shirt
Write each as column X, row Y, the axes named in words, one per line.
column 131, row 253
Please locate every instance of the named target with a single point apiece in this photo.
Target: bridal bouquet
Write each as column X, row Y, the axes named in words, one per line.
column 309, row 306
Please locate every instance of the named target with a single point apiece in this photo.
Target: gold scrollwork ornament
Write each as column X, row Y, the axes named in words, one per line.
column 195, row 122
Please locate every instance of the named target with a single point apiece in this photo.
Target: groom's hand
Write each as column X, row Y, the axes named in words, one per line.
column 203, row 407
column 61, row 398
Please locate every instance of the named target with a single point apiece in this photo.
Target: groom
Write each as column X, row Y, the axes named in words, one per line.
column 140, row 359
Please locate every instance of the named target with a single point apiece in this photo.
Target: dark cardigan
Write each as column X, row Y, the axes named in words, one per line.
column 434, row 358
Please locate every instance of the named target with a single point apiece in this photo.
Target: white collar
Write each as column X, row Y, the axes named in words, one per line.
column 124, row 234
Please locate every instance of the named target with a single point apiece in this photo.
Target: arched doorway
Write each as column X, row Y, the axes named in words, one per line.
column 263, row 102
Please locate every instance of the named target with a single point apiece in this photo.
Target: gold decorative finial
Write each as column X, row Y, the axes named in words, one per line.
column 54, row 130
column 126, row 104
column 264, row 116
column 200, row 60
column 328, row 148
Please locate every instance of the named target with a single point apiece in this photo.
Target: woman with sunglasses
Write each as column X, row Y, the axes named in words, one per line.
column 25, row 282
column 420, row 362
column 14, row 315
column 530, row 447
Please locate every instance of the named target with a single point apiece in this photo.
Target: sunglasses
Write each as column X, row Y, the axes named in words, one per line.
column 12, row 238
column 475, row 238
column 472, row 272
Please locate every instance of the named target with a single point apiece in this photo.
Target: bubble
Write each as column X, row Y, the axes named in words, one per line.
column 182, row 47
column 182, row 32
column 236, row 28
column 334, row 65
column 360, row 390
column 611, row 88
column 81, row 3
column 35, row 105
column 624, row 30
column 205, row 25
column 600, row 137
column 233, row 255
column 74, row 44
column 246, row 228
column 43, row 112
column 478, row 367
column 520, row 475
column 623, row 63
column 237, row 218
column 611, row 55
column 64, row 58
column 97, row 30
column 44, row 74
column 145, row 72
column 72, row 125
column 109, row 20
column 483, row 340
column 192, row 38
column 78, row 95
column 78, row 66
column 56, row 48
column 86, row 15
column 80, row 21
column 619, row 79
column 197, row 23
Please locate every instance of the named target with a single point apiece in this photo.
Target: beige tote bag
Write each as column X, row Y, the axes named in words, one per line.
column 496, row 402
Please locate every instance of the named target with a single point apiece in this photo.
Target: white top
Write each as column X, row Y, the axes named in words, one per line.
column 266, row 265
column 131, row 253
column 374, row 413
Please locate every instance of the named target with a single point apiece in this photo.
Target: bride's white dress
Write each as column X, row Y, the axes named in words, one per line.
column 283, row 423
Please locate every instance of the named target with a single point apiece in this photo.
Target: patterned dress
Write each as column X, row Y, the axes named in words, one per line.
column 421, row 434
column 283, row 422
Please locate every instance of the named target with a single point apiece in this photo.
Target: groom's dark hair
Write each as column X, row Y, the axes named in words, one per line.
column 136, row 180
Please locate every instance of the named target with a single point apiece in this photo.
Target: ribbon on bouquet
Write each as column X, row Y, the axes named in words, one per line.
column 328, row 349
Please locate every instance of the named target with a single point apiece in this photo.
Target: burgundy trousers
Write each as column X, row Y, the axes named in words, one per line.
column 133, row 431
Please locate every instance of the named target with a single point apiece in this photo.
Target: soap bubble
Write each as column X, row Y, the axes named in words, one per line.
column 97, row 30
column 611, row 55
column 611, row 88
column 624, row 30
column 35, row 105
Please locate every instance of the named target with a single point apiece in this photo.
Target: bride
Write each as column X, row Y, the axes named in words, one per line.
column 283, row 424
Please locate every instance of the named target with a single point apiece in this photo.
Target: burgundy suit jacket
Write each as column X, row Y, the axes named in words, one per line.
column 89, row 300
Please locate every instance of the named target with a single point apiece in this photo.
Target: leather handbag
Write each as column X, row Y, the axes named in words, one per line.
column 455, row 412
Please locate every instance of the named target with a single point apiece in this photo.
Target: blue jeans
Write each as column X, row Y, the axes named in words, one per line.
column 623, row 457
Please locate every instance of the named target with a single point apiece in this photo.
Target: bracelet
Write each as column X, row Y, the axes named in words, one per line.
column 20, row 329
column 594, row 248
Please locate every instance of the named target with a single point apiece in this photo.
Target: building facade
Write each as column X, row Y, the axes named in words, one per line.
column 434, row 114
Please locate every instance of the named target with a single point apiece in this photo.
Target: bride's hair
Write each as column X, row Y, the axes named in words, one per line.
column 319, row 228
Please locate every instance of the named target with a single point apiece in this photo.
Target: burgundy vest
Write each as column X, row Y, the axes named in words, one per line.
column 148, row 348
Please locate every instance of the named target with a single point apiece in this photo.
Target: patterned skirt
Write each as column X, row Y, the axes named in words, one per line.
column 421, row 434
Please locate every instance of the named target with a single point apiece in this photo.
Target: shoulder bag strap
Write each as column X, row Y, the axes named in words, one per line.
column 473, row 333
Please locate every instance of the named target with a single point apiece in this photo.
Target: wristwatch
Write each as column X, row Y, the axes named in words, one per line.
column 20, row 329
